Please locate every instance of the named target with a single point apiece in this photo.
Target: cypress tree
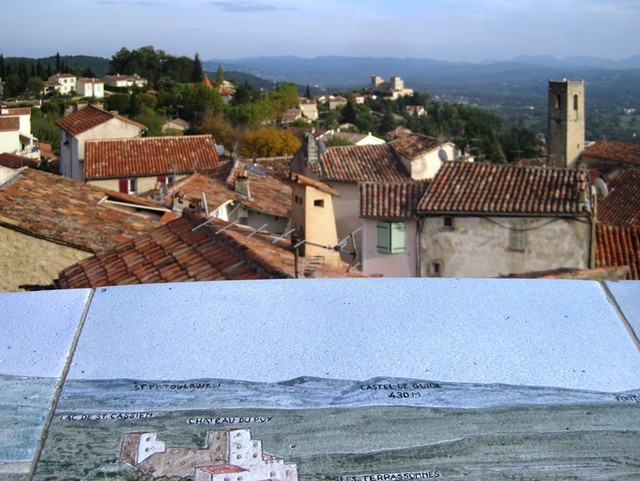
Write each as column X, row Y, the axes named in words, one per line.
column 197, row 73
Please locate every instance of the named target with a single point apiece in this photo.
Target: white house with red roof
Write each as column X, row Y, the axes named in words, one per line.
column 137, row 165
column 65, row 83
column 90, row 87
column 15, row 132
column 90, row 123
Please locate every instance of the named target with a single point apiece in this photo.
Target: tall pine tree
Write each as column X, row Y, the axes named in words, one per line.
column 197, row 73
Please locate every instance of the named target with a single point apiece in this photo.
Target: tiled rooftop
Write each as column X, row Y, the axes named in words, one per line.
column 147, row 156
column 615, row 151
column 14, row 161
column 279, row 166
column 461, row 187
column 189, row 191
column 9, row 124
column 413, row 145
column 69, row 212
column 16, row 111
column 622, row 204
column 88, row 118
column 186, row 250
column 360, row 163
column 268, row 194
column 618, row 246
column 390, row 200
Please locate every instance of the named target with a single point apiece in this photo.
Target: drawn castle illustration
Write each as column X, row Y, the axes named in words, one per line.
column 229, row 455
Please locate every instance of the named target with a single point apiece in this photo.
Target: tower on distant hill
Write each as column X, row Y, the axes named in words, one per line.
column 566, row 122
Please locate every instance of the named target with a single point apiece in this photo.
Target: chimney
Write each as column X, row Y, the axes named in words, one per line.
column 242, row 185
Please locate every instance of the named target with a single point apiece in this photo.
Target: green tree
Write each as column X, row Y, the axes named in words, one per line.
column 43, row 126
column 120, row 102
column 198, row 99
column 197, row 72
column 348, row 113
column 219, row 76
column 35, row 86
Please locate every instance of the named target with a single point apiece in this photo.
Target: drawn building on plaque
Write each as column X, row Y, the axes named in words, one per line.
column 229, row 455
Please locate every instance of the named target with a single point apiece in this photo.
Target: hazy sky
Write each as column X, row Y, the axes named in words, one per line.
column 471, row 30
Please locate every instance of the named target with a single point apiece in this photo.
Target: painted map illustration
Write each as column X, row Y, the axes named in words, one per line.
column 312, row 429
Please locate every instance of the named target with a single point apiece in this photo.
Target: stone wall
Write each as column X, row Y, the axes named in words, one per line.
column 31, row 260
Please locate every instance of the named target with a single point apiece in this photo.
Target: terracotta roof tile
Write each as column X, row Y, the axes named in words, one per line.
column 16, row 111
column 14, row 161
column 413, row 145
column 391, row 200
column 68, row 211
column 9, row 124
column 88, row 118
column 615, row 151
column 622, row 204
column 175, row 252
column 359, row 163
column 618, row 246
column 267, row 193
column 279, row 166
column 147, row 156
column 461, row 187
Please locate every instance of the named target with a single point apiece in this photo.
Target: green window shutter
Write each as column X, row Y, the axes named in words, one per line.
column 383, row 237
column 398, row 237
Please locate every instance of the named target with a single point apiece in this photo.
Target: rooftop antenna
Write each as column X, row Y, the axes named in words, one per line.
column 282, row 236
column 226, row 227
column 204, row 203
column 258, row 230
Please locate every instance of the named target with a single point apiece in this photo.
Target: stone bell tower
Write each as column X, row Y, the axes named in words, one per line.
column 566, row 122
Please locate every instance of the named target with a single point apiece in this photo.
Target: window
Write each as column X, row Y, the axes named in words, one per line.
column 132, row 186
column 436, row 269
column 391, row 237
column 517, row 235
column 318, row 202
column 447, row 222
column 575, row 102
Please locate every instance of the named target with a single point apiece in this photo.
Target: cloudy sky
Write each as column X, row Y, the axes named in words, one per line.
column 468, row 30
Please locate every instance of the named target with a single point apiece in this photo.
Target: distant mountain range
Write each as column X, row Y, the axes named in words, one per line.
column 353, row 72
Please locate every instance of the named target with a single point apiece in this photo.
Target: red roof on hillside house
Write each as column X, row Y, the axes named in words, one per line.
column 386, row 200
column 147, row 156
column 267, row 194
column 14, row 161
column 279, row 166
column 73, row 213
column 15, row 111
column 461, row 187
column 9, row 124
column 413, row 145
column 187, row 249
column 618, row 246
column 359, row 163
column 614, row 151
column 621, row 206
column 88, row 118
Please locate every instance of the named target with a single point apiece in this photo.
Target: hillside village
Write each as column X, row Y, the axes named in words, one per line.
column 120, row 206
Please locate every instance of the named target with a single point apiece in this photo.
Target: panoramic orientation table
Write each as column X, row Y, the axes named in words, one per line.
column 350, row 380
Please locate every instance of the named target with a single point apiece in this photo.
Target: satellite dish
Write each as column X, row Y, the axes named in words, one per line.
column 442, row 155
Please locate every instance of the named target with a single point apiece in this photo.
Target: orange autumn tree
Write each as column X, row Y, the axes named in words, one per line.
column 269, row 142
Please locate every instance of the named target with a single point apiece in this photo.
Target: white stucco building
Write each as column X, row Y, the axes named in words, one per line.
column 90, row 123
